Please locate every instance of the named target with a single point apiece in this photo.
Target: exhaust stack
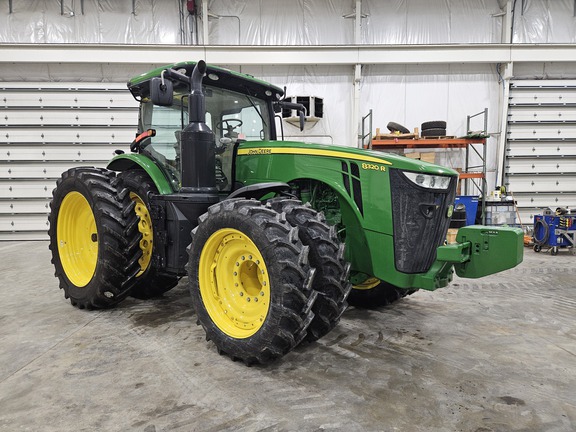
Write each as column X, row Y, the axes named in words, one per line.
column 198, row 146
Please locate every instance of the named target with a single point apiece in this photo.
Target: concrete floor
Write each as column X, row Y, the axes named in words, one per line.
column 497, row 354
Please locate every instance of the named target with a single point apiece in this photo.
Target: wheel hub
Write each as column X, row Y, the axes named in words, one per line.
column 77, row 239
column 234, row 283
column 145, row 228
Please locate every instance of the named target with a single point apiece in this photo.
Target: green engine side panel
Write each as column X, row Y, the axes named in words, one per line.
column 361, row 180
column 256, row 165
column 126, row 162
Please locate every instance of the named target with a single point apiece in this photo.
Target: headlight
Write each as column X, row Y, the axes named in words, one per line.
column 428, row 181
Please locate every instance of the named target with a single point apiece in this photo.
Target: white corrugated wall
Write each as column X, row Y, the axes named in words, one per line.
column 45, row 128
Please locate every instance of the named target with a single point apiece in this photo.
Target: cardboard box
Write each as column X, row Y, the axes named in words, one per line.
column 451, row 235
column 428, row 157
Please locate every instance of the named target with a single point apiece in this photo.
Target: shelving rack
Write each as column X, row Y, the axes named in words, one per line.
column 473, row 175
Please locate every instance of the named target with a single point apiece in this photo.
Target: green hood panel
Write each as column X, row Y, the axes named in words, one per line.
column 373, row 160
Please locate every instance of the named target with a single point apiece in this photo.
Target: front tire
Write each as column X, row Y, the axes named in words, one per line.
column 373, row 293
column 149, row 282
column 250, row 281
column 93, row 237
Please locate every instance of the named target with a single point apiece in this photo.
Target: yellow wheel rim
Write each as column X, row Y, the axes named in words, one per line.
column 234, row 283
column 369, row 283
column 77, row 239
column 145, row 227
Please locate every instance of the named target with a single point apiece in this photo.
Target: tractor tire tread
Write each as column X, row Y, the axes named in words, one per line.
column 435, row 124
column 397, row 127
column 433, row 133
column 152, row 283
column 326, row 256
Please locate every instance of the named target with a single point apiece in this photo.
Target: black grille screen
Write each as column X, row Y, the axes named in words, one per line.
column 420, row 222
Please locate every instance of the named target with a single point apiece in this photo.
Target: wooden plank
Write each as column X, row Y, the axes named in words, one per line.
column 394, row 136
column 427, row 143
column 470, row 175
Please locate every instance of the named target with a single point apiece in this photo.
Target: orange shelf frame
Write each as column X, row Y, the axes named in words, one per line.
column 426, row 143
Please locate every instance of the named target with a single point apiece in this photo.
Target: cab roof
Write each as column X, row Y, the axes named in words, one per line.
column 215, row 76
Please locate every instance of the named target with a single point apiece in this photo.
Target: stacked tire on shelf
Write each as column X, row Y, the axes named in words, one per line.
column 436, row 128
column 397, row 127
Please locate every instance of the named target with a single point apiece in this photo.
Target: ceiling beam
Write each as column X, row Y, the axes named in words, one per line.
column 286, row 55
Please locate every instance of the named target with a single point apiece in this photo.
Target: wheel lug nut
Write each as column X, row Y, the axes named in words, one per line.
column 243, row 257
column 255, row 299
column 248, row 299
column 241, row 294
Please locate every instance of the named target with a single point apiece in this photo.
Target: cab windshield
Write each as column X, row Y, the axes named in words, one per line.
column 232, row 116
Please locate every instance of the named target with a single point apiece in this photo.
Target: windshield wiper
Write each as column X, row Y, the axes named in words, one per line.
column 256, row 108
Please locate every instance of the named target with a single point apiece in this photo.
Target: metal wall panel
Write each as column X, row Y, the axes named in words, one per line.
column 46, row 128
column 540, row 165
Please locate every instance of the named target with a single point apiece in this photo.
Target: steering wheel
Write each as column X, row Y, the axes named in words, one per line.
column 231, row 124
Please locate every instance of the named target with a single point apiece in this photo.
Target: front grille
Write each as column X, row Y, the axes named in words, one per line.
column 420, row 222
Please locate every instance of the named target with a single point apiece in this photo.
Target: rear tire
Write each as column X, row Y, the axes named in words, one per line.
column 93, row 237
column 373, row 293
column 327, row 257
column 250, row 281
column 149, row 282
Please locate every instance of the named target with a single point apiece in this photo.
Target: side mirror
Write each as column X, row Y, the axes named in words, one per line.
column 161, row 91
column 301, row 109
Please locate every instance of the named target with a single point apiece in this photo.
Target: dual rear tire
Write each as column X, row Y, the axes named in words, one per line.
column 102, row 238
column 94, row 238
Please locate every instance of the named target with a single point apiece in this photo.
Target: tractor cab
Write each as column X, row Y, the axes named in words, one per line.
column 238, row 108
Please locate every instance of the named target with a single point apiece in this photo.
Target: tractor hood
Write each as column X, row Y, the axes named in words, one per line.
column 376, row 158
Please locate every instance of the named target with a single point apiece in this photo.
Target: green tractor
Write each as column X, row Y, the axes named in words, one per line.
column 276, row 237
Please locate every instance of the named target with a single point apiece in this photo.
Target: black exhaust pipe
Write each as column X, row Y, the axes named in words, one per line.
column 198, row 146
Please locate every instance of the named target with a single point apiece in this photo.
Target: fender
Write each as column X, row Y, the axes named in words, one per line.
column 258, row 190
column 126, row 162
